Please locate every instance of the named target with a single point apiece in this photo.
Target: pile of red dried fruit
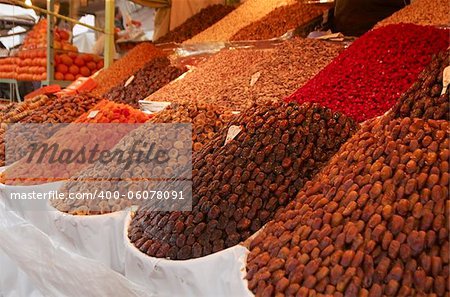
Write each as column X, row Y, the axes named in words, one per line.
column 150, row 78
column 424, row 99
column 238, row 186
column 197, row 23
column 367, row 79
column 374, row 221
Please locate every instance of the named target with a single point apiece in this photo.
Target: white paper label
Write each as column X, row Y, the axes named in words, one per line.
column 445, row 80
column 235, row 112
column 254, row 78
column 129, row 81
column 92, row 114
column 153, row 106
column 233, row 131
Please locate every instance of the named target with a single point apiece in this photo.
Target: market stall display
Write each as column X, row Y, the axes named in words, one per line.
column 421, row 12
column 248, row 12
column 147, row 80
column 280, row 21
column 123, row 68
column 316, row 167
column 239, row 183
column 367, row 79
column 206, row 120
column 30, row 63
column 197, row 23
column 38, row 171
column 425, row 99
column 71, row 65
column 269, row 74
column 372, row 222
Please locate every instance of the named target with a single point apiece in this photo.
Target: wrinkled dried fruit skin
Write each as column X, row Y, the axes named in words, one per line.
column 367, row 79
column 147, row 80
column 424, row 99
column 387, row 250
column 242, row 207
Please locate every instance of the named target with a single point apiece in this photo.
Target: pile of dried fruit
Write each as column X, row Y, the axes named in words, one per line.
column 248, row 12
column 372, row 223
column 206, row 121
column 239, row 185
column 13, row 113
column 123, row 68
column 424, row 99
column 5, row 108
column 279, row 21
column 197, row 23
column 421, row 12
column 23, row 109
column 367, row 79
column 61, row 109
column 150, row 78
column 73, row 137
column 268, row 74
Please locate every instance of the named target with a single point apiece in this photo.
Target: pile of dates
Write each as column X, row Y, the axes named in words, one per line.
column 241, row 179
column 206, row 119
column 147, row 80
column 425, row 99
column 374, row 221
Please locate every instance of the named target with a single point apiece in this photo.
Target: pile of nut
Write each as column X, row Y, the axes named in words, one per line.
column 74, row 137
column 280, row 21
column 123, row 68
column 150, row 78
column 373, row 222
column 421, row 12
column 424, row 99
column 238, row 185
column 248, row 12
column 206, row 120
column 269, row 74
column 204, row 19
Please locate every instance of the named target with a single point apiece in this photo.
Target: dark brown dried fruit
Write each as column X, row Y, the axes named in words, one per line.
column 264, row 193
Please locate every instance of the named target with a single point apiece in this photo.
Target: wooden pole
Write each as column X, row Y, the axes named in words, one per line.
column 109, row 33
